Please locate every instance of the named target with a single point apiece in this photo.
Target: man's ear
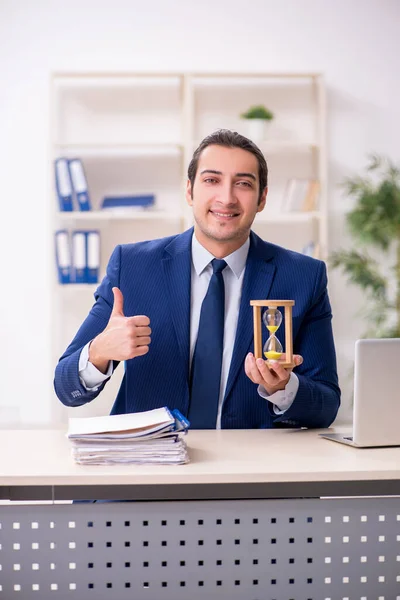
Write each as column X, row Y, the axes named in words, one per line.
column 261, row 204
column 188, row 194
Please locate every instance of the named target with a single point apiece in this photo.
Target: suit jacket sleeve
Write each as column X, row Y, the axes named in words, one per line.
column 66, row 381
column 318, row 397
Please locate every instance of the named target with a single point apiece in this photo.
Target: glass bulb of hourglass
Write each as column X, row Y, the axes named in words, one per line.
column 272, row 319
column 272, row 348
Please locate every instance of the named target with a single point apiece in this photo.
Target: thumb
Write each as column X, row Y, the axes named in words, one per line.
column 118, row 306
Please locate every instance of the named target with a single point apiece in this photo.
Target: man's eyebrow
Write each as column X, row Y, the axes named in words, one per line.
column 251, row 175
column 211, row 171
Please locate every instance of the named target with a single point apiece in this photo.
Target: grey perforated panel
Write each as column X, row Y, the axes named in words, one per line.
column 343, row 549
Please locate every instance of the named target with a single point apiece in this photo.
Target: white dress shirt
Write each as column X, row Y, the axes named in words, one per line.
column 91, row 378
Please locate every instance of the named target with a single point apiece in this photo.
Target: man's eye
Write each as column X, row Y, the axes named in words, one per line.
column 210, row 180
column 244, row 183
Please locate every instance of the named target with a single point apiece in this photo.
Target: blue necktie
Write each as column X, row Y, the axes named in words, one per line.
column 207, row 357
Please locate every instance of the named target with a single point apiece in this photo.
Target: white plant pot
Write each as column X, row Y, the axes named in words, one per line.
column 256, row 129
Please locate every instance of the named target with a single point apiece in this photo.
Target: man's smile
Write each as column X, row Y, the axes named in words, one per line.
column 224, row 215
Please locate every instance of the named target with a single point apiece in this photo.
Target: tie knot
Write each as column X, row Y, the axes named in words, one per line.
column 218, row 265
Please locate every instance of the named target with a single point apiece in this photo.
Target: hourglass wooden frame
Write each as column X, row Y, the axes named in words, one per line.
column 287, row 304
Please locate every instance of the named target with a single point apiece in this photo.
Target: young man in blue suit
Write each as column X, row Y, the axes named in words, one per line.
column 161, row 292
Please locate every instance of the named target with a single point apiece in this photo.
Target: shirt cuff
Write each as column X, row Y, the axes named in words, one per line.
column 282, row 399
column 90, row 377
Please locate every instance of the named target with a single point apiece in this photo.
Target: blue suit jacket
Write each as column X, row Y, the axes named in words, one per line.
column 154, row 278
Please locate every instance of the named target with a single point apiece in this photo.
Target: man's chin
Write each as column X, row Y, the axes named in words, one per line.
column 222, row 232
column 224, row 235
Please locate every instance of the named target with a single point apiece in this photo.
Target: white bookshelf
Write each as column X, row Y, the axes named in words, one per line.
column 120, row 214
column 118, row 151
column 136, row 133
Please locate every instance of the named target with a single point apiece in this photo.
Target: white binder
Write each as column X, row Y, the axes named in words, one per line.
column 63, row 185
column 63, row 256
column 79, row 256
column 79, row 184
column 93, row 256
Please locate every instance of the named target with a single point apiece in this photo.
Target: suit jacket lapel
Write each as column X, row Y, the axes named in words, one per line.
column 176, row 266
column 257, row 283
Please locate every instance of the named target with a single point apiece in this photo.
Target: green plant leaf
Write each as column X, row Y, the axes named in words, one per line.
column 375, row 218
column 361, row 270
column 375, row 162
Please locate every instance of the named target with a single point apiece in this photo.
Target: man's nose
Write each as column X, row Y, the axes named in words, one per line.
column 227, row 195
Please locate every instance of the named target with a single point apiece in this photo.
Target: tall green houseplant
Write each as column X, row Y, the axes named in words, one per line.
column 375, row 222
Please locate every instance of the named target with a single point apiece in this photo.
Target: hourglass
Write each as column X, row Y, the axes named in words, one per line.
column 272, row 320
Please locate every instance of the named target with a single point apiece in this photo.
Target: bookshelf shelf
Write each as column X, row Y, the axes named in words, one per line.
column 78, row 287
column 269, row 147
column 214, row 80
column 289, row 217
column 113, row 81
column 118, row 151
column 123, row 214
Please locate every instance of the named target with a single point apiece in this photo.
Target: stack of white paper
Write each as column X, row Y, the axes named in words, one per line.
column 154, row 436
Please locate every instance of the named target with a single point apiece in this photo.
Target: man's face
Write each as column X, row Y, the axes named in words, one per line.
column 225, row 198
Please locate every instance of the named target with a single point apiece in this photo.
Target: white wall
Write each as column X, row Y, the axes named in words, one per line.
column 354, row 43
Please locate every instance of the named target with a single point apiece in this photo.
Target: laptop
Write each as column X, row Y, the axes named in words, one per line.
column 376, row 408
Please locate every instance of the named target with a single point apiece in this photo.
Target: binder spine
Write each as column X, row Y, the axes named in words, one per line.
column 79, row 184
column 79, row 256
column 63, row 256
column 93, row 256
column 63, row 185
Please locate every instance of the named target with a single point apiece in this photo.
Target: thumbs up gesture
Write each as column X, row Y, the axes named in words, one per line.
column 122, row 339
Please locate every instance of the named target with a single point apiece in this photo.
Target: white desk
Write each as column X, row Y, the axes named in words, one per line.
column 36, row 464
column 252, row 524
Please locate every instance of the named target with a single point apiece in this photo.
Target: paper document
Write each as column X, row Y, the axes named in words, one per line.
column 152, row 436
column 139, row 423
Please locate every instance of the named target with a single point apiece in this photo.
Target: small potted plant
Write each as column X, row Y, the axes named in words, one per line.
column 257, row 117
